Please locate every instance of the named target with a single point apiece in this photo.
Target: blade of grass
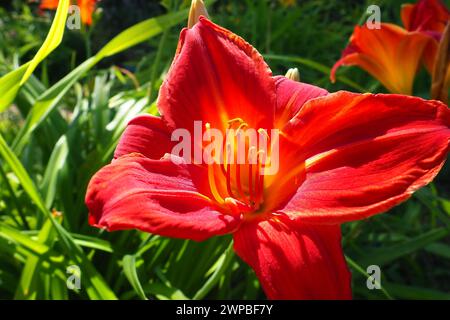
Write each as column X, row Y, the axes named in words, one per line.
column 10, row 85
column 53, row 39
column 55, row 164
column 385, row 255
column 129, row 268
column 412, row 292
column 359, row 269
column 222, row 265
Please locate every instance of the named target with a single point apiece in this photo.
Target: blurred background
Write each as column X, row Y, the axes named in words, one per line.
column 66, row 120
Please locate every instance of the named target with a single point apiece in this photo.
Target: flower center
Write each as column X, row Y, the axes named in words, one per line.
column 237, row 181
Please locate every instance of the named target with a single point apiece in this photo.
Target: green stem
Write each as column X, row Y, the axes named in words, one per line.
column 15, row 201
column 215, row 277
column 155, row 65
column 358, row 268
column 87, row 42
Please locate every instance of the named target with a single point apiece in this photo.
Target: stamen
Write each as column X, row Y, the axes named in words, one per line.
column 250, row 183
column 236, row 206
column 230, row 192
column 264, row 132
column 234, row 121
column 241, row 126
column 252, row 161
column 256, row 192
column 238, row 182
column 227, row 156
column 259, row 181
column 238, row 197
column 212, row 184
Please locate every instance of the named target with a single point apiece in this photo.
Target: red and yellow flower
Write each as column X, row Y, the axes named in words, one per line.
column 393, row 54
column 343, row 157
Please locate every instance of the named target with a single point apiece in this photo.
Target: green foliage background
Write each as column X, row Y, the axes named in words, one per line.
column 67, row 118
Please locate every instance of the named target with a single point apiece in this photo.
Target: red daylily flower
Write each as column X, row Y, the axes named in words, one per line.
column 343, row 157
column 87, row 8
column 393, row 54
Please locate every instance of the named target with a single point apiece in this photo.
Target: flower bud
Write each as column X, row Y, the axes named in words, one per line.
column 441, row 73
column 198, row 9
column 293, row 74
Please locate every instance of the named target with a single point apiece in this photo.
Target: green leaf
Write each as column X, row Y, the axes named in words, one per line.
column 10, row 85
column 385, row 255
column 164, row 292
column 54, row 38
column 439, row 249
column 92, row 243
column 21, row 174
column 28, row 287
column 141, row 32
column 48, row 101
column 412, row 292
column 129, row 268
column 51, row 98
column 55, row 164
column 23, row 240
column 58, row 289
column 12, row 81
column 221, row 266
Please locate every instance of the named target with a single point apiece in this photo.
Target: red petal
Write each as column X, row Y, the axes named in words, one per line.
column 291, row 96
column 147, row 135
column 217, row 76
column 366, row 153
column 156, row 196
column 295, row 261
column 405, row 14
column 425, row 15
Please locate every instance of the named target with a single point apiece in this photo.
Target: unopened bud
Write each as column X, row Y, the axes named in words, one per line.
column 293, row 74
column 198, row 9
column 441, row 73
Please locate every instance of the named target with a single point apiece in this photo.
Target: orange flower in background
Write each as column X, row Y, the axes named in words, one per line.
column 49, row 4
column 87, row 8
column 392, row 54
column 441, row 72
